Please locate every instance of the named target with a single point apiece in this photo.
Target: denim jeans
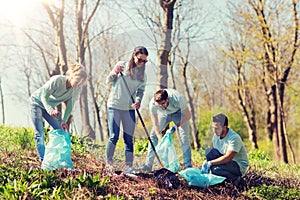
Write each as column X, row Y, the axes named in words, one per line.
column 37, row 115
column 183, row 135
column 229, row 170
column 115, row 117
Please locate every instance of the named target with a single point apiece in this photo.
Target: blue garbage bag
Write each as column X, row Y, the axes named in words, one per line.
column 195, row 177
column 58, row 151
column 166, row 152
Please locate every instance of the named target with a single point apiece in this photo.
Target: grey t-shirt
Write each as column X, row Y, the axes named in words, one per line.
column 233, row 142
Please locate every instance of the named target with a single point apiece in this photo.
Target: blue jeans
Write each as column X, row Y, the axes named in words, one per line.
column 115, row 117
column 183, row 133
column 37, row 115
column 229, row 170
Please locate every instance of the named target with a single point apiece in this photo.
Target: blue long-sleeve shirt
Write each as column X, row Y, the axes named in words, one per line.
column 54, row 92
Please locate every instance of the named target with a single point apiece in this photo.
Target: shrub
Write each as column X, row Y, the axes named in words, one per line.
column 273, row 192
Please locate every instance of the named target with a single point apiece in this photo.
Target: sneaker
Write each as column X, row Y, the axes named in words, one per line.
column 237, row 181
column 109, row 167
column 145, row 168
column 128, row 170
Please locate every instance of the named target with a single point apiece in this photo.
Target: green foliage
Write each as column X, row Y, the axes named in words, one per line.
column 260, row 161
column 258, row 155
column 198, row 157
column 204, row 127
column 237, row 123
column 273, row 192
column 16, row 183
column 13, row 139
column 82, row 145
column 95, row 183
column 78, row 145
column 41, row 184
column 140, row 146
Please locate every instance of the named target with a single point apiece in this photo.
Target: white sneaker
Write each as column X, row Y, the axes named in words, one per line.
column 109, row 167
column 128, row 170
column 145, row 168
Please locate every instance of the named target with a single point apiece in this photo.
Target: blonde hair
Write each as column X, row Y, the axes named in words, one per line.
column 77, row 71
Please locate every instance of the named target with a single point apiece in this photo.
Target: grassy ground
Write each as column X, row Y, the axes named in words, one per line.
column 22, row 178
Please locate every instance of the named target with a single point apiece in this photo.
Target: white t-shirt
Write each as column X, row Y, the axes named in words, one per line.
column 233, row 142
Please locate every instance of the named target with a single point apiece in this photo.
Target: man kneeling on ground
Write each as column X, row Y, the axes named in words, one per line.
column 228, row 157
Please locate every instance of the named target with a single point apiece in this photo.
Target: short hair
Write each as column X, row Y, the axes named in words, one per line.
column 221, row 118
column 160, row 95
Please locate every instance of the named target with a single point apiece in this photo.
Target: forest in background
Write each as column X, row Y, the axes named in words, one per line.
column 241, row 59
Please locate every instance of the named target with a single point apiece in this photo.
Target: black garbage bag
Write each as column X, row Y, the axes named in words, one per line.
column 166, row 179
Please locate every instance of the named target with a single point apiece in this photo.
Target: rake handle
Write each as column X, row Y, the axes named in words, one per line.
column 142, row 121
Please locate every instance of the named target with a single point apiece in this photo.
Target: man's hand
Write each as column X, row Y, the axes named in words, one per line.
column 159, row 136
column 118, row 69
column 65, row 127
column 205, row 169
column 172, row 129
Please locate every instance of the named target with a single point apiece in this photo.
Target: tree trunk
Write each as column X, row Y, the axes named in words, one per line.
column 165, row 47
column 81, row 40
column 56, row 16
column 97, row 113
column 94, row 96
column 2, row 102
column 273, row 122
column 195, row 132
column 281, row 114
column 87, row 129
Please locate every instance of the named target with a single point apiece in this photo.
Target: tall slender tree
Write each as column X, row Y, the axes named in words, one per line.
column 82, row 40
column 165, row 47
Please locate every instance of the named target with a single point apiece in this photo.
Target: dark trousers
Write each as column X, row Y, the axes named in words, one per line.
column 229, row 170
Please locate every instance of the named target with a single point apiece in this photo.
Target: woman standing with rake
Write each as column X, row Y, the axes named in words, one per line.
column 121, row 108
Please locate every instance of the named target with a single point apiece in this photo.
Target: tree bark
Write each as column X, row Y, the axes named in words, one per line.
column 81, row 40
column 2, row 102
column 195, row 132
column 165, row 47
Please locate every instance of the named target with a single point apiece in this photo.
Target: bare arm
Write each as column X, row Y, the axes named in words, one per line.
column 225, row 158
column 186, row 116
column 154, row 119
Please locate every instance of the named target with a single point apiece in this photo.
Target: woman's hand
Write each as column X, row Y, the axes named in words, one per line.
column 65, row 127
column 136, row 105
column 118, row 69
column 54, row 113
